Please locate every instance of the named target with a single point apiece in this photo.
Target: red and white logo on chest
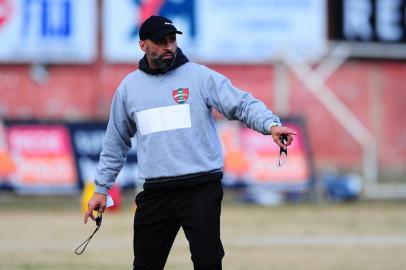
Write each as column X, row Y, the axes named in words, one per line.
column 180, row 95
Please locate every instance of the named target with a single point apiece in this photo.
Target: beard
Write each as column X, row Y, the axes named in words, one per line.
column 162, row 64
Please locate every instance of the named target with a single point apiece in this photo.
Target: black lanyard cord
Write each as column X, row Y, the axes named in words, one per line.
column 81, row 248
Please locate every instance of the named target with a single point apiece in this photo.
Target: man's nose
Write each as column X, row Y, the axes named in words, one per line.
column 168, row 45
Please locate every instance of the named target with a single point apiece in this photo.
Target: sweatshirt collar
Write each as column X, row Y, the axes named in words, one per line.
column 179, row 60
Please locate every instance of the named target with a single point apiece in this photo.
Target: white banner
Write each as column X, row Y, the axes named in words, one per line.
column 48, row 31
column 225, row 31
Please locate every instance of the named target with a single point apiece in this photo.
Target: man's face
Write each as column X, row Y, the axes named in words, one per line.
column 160, row 54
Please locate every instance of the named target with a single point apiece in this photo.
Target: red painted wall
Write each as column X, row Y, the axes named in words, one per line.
column 375, row 92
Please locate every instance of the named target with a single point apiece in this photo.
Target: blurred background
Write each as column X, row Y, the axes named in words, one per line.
column 335, row 71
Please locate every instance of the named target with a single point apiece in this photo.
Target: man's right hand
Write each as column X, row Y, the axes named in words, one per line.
column 98, row 203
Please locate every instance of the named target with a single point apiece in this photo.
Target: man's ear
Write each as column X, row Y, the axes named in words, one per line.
column 142, row 45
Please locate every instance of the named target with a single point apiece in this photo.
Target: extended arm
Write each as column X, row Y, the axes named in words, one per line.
column 236, row 104
column 116, row 144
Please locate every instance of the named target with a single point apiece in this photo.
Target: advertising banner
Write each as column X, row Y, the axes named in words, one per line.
column 370, row 28
column 47, row 31
column 87, row 141
column 61, row 158
column 370, row 20
column 43, row 158
column 7, row 164
column 251, row 158
column 255, row 31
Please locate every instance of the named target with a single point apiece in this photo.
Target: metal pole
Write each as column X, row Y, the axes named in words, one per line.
column 316, row 85
column 282, row 93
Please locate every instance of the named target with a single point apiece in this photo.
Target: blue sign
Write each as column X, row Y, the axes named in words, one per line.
column 48, row 31
column 55, row 18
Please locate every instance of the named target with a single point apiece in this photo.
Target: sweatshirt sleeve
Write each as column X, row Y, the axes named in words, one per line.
column 236, row 104
column 117, row 142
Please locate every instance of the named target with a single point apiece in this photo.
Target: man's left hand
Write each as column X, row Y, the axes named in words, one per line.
column 277, row 132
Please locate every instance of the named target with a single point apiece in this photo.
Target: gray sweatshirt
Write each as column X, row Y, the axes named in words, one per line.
column 171, row 116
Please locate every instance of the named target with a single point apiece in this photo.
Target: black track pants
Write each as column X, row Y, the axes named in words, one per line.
column 161, row 213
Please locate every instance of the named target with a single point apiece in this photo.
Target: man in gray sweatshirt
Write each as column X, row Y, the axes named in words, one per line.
column 167, row 105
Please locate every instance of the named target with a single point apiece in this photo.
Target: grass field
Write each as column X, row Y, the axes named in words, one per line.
column 42, row 233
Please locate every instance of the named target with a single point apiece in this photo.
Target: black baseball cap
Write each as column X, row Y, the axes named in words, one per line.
column 157, row 27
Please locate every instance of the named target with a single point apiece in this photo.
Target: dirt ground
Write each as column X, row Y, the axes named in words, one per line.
column 39, row 234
